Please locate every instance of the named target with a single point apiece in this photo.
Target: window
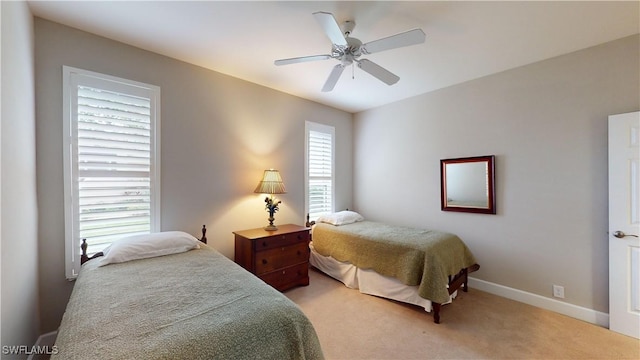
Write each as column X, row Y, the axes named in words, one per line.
column 319, row 169
column 111, row 161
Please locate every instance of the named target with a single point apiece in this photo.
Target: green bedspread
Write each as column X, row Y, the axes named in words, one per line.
column 194, row 305
column 419, row 257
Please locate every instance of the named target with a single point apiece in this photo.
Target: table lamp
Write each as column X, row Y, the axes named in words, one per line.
column 271, row 184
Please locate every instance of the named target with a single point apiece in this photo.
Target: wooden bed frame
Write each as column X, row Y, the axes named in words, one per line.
column 84, row 257
column 457, row 281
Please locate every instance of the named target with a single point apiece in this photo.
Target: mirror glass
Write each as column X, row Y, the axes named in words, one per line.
column 468, row 184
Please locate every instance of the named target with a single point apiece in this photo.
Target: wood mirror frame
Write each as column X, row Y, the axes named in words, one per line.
column 467, row 184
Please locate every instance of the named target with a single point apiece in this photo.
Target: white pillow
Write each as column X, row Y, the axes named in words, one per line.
column 148, row 245
column 341, row 218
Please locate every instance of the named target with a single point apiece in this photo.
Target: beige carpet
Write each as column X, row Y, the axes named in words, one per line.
column 477, row 325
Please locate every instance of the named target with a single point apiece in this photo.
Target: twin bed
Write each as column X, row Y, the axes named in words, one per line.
column 195, row 304
column 416, row 266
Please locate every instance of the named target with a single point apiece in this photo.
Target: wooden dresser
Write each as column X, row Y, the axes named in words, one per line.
column 280, row 258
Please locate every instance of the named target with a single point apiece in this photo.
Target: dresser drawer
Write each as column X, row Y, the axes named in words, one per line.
column 285, row 278
column 278, row 241
column 273, row 259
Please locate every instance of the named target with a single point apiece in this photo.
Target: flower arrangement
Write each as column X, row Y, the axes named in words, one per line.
column 271, row 205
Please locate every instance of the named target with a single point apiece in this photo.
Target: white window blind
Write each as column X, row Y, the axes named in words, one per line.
column 320, row 170
column 111, row 184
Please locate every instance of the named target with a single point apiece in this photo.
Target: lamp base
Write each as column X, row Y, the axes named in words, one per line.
column 271, row 227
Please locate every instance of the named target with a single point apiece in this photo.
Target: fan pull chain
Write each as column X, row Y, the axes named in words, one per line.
column 353, row 72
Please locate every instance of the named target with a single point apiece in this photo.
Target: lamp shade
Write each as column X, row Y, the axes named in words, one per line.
column 271, row 183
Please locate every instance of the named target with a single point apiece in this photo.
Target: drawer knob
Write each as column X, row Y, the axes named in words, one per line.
column 264, row 261
column 264, row 243
column 284, row 272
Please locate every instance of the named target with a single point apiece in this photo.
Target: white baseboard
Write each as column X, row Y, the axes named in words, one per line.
column 574, row 311
column 45, row 340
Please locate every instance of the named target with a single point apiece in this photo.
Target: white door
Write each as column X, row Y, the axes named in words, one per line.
column 624, row 223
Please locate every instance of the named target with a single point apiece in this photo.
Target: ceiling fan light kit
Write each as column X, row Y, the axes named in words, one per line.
column 348, row 50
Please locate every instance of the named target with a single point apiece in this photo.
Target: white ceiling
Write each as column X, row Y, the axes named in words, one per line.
column 465, row 40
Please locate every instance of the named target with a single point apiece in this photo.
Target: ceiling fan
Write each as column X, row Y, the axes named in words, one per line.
column 348, row 50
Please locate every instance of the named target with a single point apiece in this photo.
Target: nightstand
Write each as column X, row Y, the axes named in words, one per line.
column 280, row 258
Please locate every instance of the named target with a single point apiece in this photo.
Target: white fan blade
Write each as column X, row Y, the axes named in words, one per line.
column 333, row 78
column 301, row 59
column 330, row 27
column 410, row 37
column 378, row 71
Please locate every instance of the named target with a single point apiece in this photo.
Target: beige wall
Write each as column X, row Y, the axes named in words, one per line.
column 18, row 186
column 218, row 135
column 547, row 125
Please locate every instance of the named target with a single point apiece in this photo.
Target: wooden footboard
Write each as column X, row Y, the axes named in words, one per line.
column 455, row 282
column 84, row 257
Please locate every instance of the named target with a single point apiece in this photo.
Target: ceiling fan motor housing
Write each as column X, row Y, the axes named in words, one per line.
column 347, row 54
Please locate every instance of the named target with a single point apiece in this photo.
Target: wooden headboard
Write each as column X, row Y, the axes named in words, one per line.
column 84, row 257
column 309, row 223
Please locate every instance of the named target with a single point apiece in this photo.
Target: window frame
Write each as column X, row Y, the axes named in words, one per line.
column 327, row 129
column 72, row 78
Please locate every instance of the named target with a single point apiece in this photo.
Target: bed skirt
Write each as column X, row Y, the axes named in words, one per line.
column 369, row 282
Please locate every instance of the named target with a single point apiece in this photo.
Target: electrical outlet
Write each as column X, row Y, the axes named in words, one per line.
column 558, row 291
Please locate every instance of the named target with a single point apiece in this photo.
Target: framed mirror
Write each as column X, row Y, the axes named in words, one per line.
column 467, row 184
